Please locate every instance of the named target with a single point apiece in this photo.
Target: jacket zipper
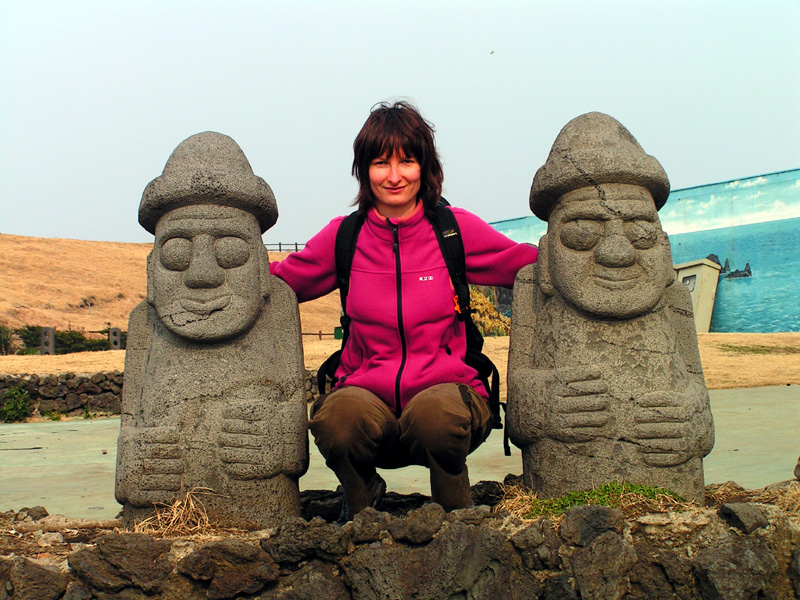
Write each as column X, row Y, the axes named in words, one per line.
column 401, row 329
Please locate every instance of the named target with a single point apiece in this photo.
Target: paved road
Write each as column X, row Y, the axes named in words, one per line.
column 68, row 466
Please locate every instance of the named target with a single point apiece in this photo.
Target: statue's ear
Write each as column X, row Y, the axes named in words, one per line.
column 263, row 272
column 543, row 269
column 150, row 279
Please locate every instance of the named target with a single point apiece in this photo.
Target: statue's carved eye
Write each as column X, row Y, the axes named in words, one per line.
column 582, row 234
column 642, row 234
column 176, row 254
column 232, row 252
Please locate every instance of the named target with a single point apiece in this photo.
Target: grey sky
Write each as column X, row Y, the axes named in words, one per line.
column 95, row 95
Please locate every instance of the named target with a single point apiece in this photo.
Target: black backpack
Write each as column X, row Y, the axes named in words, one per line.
column 452, row 246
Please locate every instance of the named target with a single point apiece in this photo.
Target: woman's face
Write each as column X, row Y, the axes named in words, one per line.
column 395, row 183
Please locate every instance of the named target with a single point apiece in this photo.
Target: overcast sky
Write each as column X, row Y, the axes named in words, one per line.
column 94, row 96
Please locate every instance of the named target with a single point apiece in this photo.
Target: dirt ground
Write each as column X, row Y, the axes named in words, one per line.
column 92, row 285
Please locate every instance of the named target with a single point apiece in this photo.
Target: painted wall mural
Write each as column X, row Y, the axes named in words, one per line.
column 751, row 226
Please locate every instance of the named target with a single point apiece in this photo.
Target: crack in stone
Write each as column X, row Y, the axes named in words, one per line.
column 565, row 153
column 652, row 351
column 186, row 319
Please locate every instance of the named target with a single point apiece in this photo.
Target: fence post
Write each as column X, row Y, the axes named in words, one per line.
column 114, row 338
column 47, row 340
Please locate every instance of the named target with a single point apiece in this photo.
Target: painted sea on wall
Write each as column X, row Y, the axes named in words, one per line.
column 767, row 300
column 753, row 220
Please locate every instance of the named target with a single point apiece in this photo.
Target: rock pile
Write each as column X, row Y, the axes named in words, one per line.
column 737, row 551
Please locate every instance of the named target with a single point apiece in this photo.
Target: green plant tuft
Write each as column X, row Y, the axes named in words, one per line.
column 52, row 415
column 31, row 338
column 16, row 405
column 610, row 494
column 6, row 339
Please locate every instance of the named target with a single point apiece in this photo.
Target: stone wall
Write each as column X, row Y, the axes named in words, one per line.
column 98, row 394
column 738, row 551
column 70, row 394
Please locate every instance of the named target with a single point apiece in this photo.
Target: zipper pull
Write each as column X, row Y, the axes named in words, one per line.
column 396, row 236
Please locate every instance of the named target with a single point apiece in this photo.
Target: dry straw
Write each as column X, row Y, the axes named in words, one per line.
column 785, row 496
column 184, row 516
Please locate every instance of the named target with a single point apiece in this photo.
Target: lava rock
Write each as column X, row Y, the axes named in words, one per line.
column 231, row 567
column 745, row 516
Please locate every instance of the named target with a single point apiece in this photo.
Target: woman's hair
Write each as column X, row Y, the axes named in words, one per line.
column 391, row 128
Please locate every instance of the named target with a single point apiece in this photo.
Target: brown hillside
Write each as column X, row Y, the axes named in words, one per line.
column 89, row 285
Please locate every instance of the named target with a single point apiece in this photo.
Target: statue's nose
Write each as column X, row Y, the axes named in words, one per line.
column 615, row 249
column 203, row 271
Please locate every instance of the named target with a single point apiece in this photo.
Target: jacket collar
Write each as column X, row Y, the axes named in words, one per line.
column 407, row 225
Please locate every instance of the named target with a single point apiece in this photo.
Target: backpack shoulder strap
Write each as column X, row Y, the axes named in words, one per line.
column 452, row 245
column 344, row 250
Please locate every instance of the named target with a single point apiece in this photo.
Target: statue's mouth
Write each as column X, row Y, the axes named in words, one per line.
column 206, row 307
column 617, row 281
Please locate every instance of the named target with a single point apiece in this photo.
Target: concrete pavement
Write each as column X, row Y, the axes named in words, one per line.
column 68, row 466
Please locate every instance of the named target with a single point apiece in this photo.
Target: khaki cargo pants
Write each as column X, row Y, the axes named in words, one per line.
column 357, row 432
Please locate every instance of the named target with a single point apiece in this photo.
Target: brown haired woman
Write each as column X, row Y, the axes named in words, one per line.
column 404, row 393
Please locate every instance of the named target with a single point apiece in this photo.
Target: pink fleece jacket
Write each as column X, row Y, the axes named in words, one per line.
column 404, row 332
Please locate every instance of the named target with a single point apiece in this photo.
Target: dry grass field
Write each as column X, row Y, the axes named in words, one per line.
column 89, row 285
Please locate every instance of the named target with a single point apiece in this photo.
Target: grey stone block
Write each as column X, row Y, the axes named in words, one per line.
column 745, row 516
column 120, row 560
column 27, row 580
column 582, row 524
column 462, row 561
column 419, row 526
column 231, row 568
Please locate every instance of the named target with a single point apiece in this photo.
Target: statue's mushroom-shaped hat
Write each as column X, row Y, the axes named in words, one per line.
column 592, row 149
column 208, row 168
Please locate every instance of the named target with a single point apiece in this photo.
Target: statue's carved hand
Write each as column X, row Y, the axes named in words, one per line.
column 577, row 403
column 151, row 462
column 244, row 447
column 665, row 428
column 162, row 464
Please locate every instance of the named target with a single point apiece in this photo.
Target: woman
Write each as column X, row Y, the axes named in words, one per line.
column 404, row 393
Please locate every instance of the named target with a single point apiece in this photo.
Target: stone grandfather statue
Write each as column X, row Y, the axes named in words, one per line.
column 214, row 396
column 605, row 380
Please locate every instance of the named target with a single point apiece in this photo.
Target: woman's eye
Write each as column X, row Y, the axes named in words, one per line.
column 176, row 254
column 641, row 234
column 581, row 234
column 231, row 252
